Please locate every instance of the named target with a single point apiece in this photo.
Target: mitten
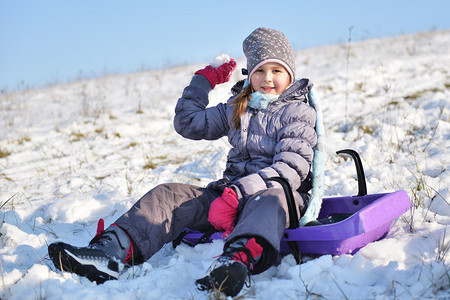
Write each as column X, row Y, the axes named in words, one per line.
column 220, row 73
column 223, row 210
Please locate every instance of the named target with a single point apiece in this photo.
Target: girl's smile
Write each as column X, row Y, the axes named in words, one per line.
column 267, row 89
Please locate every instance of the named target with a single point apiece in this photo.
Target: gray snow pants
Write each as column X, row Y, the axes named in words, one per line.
column 164, row 212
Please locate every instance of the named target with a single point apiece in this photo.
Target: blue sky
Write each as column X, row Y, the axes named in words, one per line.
column 54, row 41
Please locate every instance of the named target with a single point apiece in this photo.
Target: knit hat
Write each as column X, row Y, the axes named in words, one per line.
column 265, row 45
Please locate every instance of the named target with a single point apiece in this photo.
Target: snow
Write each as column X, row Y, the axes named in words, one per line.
column 88, row 150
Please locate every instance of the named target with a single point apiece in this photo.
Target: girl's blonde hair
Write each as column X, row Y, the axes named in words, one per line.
column 240, row 105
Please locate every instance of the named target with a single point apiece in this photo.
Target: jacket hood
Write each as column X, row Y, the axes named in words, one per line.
column 297, row 90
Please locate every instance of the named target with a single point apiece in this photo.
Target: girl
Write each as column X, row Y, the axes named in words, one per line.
column 271, row 130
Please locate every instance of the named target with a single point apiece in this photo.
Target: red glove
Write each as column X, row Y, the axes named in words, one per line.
column 223, row 211
column 218, row 75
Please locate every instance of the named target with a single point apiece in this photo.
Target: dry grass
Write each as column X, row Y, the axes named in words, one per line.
column 4, row 153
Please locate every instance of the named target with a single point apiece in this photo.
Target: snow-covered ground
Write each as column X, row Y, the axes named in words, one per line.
column 77, row 152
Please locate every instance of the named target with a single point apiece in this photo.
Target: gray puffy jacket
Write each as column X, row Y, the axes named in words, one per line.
column 277, row 141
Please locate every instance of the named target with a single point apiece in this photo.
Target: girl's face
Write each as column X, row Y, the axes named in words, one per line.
column 270, row 78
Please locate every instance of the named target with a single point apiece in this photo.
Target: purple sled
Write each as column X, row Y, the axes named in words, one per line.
column 371, row 219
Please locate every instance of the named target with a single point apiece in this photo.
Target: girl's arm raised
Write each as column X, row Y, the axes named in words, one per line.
column 193, row 120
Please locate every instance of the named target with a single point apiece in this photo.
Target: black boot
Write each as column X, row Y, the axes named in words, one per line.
column 231, row 270
column 101, row 260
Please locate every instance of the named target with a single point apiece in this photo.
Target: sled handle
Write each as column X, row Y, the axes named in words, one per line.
column 293, row 216
column 362, row 187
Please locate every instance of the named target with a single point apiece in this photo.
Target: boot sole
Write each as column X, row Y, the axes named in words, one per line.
column 61, row 255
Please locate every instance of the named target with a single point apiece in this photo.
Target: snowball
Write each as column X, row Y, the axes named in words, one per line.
column 220, row 60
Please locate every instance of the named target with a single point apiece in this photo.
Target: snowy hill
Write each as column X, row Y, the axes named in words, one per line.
column 73, row 153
